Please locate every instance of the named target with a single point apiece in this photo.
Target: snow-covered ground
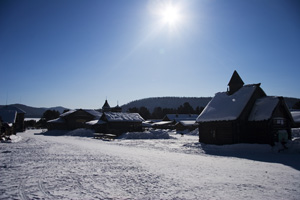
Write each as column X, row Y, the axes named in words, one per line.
column 52, row 166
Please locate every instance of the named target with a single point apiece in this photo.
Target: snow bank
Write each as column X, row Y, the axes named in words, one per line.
column 150, row 134
column 15, row 138
column 193, row 132
column 11, row 139
column 82, row 132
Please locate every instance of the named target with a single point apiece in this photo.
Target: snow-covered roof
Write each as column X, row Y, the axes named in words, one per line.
column 57, row 120
column 224, row 107
column 162, row 123
column 94, row 122
column 263, row 108
column 8, row 116
column 187, row 122
column 296, row 115
column 116, row 116
column 95, row 113
column 67, row 113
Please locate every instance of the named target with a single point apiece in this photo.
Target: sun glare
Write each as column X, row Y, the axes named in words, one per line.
column 169, row 14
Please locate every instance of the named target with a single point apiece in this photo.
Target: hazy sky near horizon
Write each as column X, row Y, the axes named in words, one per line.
column 76, row 53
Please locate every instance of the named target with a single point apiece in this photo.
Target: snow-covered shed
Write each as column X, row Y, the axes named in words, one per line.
column 186, row 125
column 74, row 119
column 118, row 122
column 243, row 114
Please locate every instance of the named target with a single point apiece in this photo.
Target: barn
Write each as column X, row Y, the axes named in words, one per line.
column 243, row 114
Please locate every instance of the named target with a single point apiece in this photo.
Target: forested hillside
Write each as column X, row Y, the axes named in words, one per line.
column 167, row 102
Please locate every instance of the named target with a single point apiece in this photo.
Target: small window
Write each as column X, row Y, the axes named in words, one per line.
column 279, row 121
column 213, row 132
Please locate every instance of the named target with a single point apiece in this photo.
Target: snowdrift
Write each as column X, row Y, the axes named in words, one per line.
column 150, row 134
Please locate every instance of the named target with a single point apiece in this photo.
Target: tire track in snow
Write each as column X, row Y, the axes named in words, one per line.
column 21, row 190
column 44, row 191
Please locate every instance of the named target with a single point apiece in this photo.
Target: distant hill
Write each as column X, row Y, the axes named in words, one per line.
column 167, row 102
column 290, row 101
column 175, row 102
column 32, row 112
column 150, row 103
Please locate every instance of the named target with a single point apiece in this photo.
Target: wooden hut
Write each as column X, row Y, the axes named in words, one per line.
column 230, row 117
column 268, row 117
column 73, row 119
column 186, row 126
column 117, row 123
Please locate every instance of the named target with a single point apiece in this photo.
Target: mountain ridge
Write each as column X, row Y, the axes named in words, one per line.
column 150, row 103
column 35, row 112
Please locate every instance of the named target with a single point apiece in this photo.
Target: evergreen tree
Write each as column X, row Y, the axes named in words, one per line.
column 133, row 110
column 144, row 112
column 157, row 113
column 50, row 114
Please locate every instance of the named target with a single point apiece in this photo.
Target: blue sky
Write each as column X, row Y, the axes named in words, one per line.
column 78, row 53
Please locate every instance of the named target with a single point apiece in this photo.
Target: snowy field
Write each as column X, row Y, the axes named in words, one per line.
column 52, row 166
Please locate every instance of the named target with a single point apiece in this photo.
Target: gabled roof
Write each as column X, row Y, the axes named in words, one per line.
column 187, row 122
column 224, row 107
column 57, row 120
column 95, row 113
column 118, row 117
column 67, row 113
column 263, row 108
column 106, row 105
column 236, row 79
column 8, row 116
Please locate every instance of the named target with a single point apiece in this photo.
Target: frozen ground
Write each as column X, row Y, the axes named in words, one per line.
column 37, row 166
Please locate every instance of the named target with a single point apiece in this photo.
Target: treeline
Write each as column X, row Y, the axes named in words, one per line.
column 47, row 115
column 159, row 112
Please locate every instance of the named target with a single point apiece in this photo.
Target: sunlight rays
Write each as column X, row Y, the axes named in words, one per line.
column 169, row 15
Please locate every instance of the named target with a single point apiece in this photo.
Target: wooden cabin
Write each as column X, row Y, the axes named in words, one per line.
column 185, row 126
column 243, row 114
column 73, row 119
column 117, row 123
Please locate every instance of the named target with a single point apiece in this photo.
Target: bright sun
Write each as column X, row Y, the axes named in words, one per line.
column 170, row 15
